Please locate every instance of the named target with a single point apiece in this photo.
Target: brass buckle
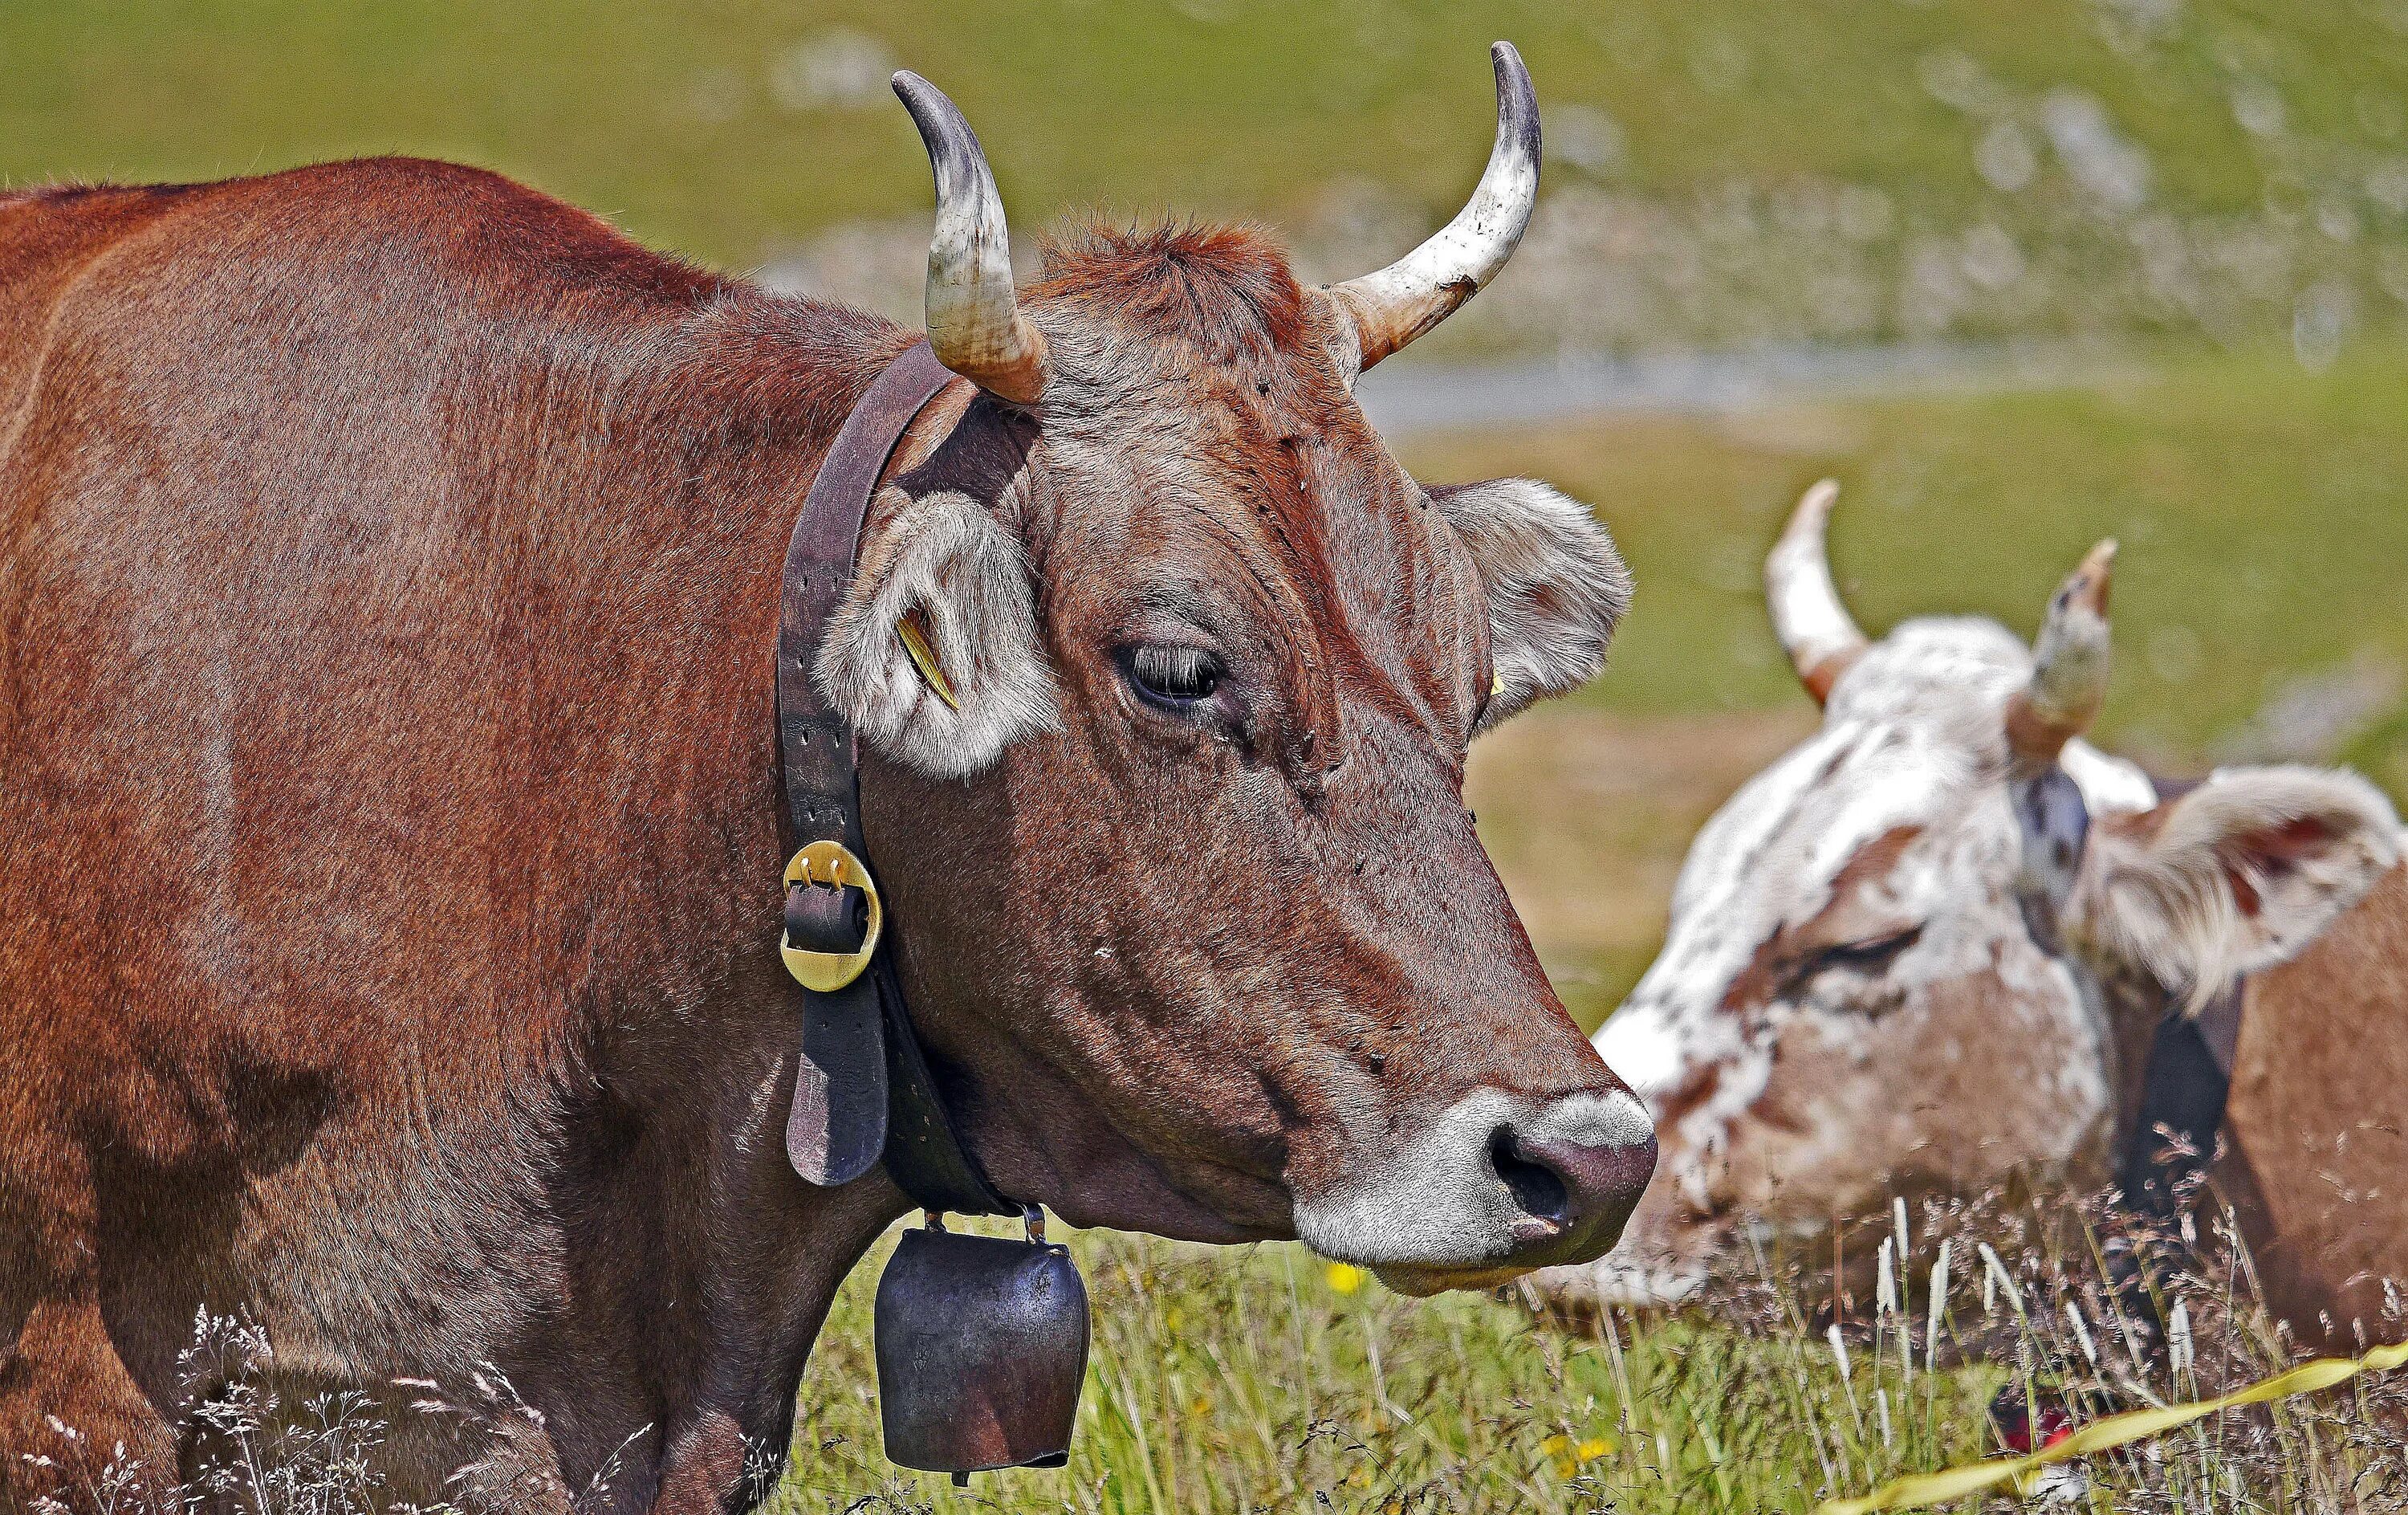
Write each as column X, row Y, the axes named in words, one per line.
column 830, row 864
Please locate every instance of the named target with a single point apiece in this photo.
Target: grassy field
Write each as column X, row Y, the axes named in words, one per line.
column 1722, row 170
column 1272, row 1381
column 684, row 119
column 2215, row 190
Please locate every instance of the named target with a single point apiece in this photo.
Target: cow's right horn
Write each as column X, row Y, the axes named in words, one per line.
column 1815, row 627
column 974, row 319
column 2069, row 677
column 1399, row 302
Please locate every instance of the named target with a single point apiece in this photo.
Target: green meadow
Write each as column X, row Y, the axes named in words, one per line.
column 1727, row 171
column 1270, row 1381
column 685, row 122
column 2205, row 201
column 1277, row 1383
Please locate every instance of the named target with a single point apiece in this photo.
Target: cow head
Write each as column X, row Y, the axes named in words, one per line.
column 1167, row 796
column 1925, row 948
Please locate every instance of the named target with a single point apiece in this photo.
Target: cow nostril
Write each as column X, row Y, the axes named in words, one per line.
column 1539, row 1189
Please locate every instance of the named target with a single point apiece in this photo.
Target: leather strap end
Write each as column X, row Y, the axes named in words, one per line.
column 836, row 1129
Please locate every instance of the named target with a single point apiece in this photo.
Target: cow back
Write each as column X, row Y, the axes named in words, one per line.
column 388, row 567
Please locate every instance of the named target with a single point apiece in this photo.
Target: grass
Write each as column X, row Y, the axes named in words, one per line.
column 1273, row 1381
column 2259, row 503
column 1284, row 1383
column 734, row 129
column 1277, row 1383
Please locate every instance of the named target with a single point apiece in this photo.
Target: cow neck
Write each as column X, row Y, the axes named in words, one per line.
column 2184, row 1088
column 863, row 1088
column 2171, row 1135
column 2163, row 1147
column 2165, row 1141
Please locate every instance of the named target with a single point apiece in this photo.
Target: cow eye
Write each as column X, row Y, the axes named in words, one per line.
column 1871, row 955
column 1171, row 676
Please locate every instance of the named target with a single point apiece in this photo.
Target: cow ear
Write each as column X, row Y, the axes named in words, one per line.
column 1554, row 583
column 2236, row 875
column 934, row 656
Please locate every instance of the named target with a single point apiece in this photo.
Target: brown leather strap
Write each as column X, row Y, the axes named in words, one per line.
column 823, row 795
column 863, row 1088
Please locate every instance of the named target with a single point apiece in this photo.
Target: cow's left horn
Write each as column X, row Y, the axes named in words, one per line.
column 1409, row 297
column 1815, row 627
column 974, row 319
column 2069, row 677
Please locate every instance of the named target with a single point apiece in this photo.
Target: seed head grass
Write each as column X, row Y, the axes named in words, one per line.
column 1269, row 1379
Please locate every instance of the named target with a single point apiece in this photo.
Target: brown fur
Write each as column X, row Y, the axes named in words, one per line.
column 387, row 574
column 1226, row 288
column 2317, row 1125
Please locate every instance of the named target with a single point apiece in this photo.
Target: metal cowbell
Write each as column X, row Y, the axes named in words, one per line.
column 982, row 1345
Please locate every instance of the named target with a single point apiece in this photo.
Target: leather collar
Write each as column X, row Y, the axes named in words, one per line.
column 863, row 1086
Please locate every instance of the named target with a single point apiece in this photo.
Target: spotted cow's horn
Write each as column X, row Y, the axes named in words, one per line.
column 2068, row 678
column 1409, row 297
column 974, row 319
column 1815, row 630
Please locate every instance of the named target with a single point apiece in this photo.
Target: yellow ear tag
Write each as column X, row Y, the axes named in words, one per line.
column 912, row 631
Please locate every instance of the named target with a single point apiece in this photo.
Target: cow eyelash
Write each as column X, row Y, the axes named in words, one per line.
column 1176, row 678
column 1869, row 954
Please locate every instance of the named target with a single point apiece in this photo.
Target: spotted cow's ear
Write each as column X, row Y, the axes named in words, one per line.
column 2236, row 875
column 934, row 656
column 1556, row 587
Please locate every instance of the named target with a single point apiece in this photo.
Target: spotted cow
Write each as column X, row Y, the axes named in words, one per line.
column 1929, row 947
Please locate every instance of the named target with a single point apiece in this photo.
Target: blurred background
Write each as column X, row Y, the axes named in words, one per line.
column 2021, row 273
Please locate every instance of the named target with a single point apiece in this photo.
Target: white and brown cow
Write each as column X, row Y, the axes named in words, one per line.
column 1899, row 960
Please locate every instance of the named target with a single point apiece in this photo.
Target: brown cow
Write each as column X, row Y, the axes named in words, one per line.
column 1898, row 959
column 389, row 920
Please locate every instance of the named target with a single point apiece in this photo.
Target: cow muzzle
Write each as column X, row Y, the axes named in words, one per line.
column 1495, row 1186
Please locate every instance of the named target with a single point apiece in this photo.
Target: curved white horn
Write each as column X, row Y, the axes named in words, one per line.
column 1409, row 297
column 974, row 319
column 1815, row 627
column 2068, row 678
